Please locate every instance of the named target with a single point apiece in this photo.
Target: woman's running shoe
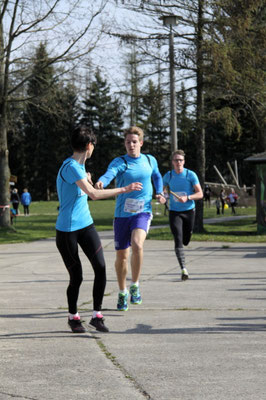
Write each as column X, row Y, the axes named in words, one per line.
column 98, row 324
column 76, row 325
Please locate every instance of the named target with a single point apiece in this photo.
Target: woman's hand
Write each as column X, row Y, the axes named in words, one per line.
column 98, row 185
column 133, row 186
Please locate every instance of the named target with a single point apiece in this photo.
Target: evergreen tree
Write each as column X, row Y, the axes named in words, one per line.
column 48, row 120
column 16, row 143
column 15, row 137
column 185, row 120
column 39, row 125
column 103, row 113
column 186, row 128
column 67, row 117
column 153, row 120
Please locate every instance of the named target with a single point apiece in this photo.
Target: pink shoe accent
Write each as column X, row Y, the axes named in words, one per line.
column 76, row 318
column 99, row 315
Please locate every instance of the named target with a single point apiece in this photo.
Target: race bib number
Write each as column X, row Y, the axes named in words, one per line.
column 180, row 194
column 134, row 205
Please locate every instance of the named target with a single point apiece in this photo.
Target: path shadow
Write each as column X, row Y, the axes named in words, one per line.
column 58, row 314
column 235, row 327
column 61, row 334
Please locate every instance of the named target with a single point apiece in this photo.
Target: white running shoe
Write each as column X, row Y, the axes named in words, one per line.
column 184, row 274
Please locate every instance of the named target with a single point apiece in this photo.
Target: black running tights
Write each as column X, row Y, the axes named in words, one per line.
column 181, row 225
column 67, row 244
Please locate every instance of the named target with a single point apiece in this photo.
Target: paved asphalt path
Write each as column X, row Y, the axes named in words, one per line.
column 204, row 339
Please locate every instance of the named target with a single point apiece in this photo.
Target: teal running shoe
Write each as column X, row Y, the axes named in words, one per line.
column 135, row 297
column 122, row 302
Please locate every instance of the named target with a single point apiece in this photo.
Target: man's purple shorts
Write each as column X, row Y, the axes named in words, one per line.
column 123, row 227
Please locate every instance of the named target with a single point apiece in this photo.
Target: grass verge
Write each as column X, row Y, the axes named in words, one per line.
column 41, row 224
column 237, row 231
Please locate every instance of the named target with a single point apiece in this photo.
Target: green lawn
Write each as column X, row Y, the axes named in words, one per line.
column 41, row 224
column 231, row 231
column 238, row 230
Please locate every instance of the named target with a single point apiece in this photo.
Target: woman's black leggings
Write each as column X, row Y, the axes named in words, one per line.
column 181, row 225
column 89, row 241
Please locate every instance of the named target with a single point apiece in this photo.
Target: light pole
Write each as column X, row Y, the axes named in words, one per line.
column 172, row 20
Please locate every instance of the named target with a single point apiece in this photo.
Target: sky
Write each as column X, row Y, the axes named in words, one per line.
column 109, row 53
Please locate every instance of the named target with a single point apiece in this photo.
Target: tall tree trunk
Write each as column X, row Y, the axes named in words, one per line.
column 134, row 87
column 4, row 173
column 200, row 130
column 4, row 169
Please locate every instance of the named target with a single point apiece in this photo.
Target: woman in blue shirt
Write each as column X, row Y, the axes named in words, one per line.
column 75, row 226
column 184, row 188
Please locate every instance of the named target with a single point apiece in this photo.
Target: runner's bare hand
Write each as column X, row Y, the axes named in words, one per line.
column 133, row 186
column 98, row 185
column 160, row 198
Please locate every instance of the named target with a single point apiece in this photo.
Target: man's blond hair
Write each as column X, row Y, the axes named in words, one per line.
column 134, row 130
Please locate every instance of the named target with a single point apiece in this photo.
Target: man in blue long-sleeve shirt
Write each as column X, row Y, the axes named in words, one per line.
column 133, row 211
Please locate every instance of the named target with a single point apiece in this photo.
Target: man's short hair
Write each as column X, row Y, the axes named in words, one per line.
column 134, row 130
column 179, row 152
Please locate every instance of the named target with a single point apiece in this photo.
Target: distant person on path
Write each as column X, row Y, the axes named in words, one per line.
column 233, row 197
column 222, row 199
column 75, row 226
column 207, row 195
column 185, row 187
column 25, row 201
column 15, row 200
column 133, row 212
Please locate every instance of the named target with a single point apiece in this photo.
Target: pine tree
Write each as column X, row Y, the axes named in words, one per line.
column 49, row 119
column 185, row 121
column 152, row 116
column 103, row 113
column 186, row 127
column 16, row 143
column 39, row 125
column 67, row 117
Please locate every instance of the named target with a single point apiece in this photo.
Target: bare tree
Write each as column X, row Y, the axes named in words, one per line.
column 71, row 30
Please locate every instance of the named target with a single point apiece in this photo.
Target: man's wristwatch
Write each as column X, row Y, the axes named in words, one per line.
column 188, row 198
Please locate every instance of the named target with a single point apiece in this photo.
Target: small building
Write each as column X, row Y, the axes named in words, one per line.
column 259, row 161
